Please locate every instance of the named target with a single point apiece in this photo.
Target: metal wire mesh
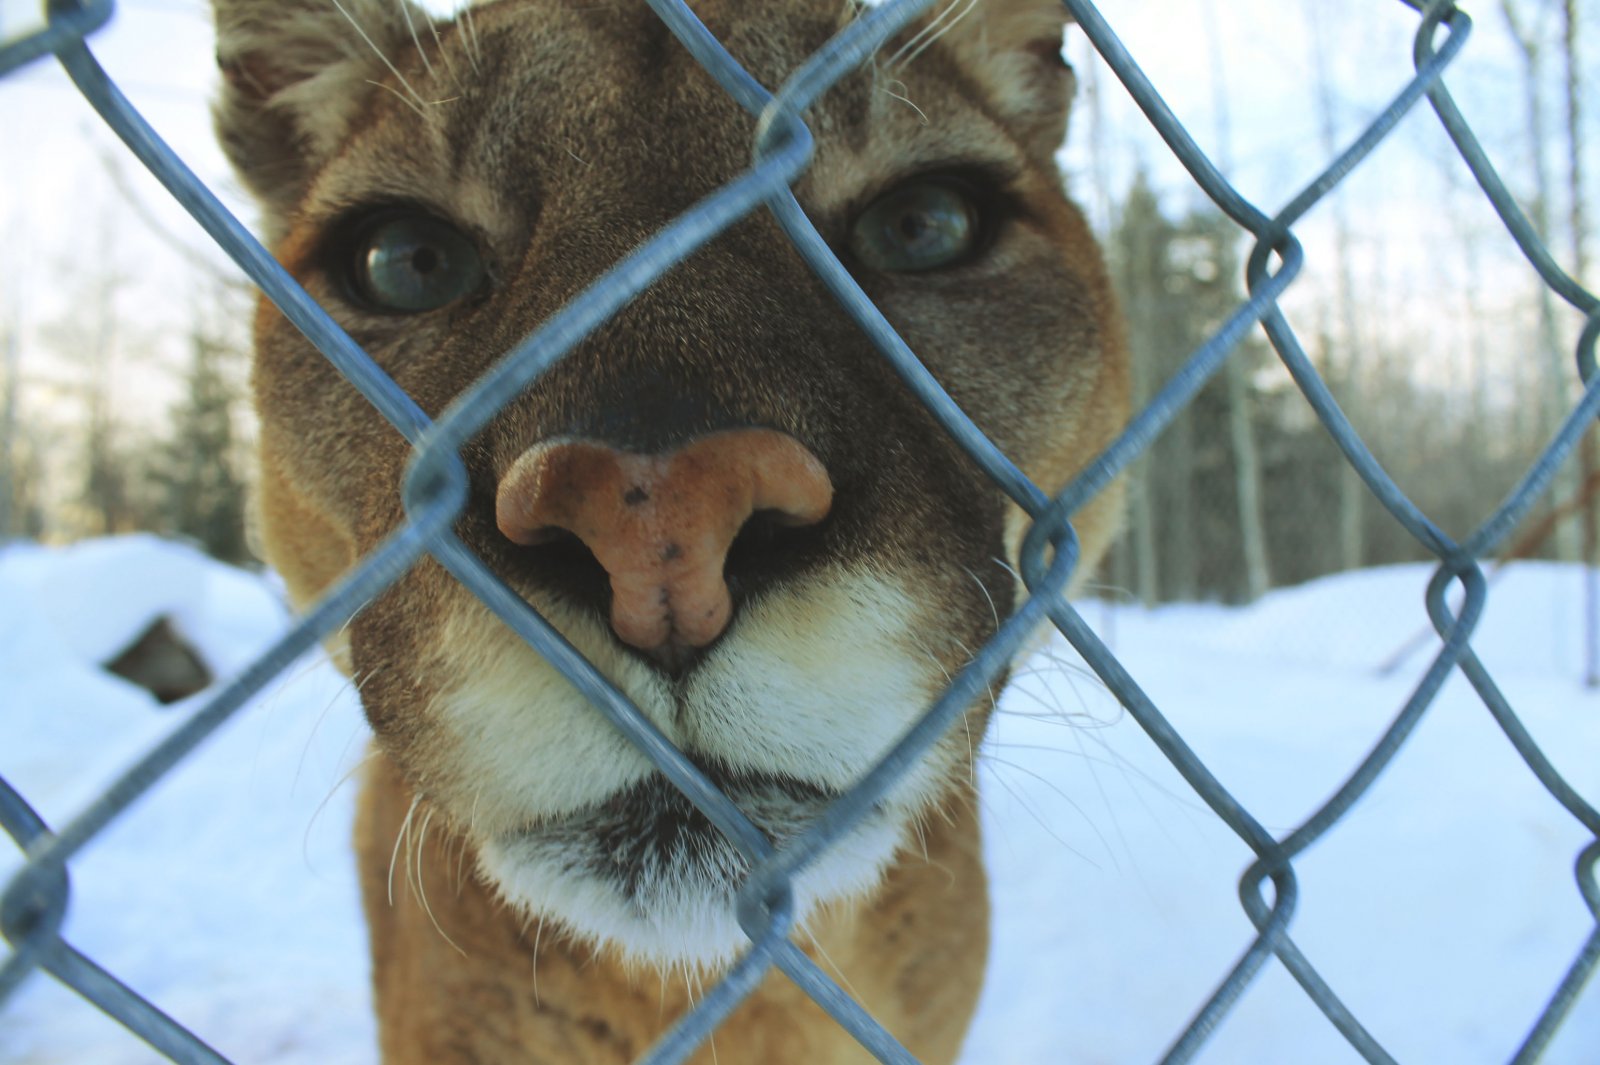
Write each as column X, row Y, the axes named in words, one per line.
column 38, row 896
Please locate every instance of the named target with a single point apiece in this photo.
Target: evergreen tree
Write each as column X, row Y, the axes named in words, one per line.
column 204, row 494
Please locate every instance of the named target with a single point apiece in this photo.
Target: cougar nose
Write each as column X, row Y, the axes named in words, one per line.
column 661, row 525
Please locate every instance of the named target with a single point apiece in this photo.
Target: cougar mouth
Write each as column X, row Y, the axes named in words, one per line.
column 572, row 822
column 647, row 872
column 650, row 837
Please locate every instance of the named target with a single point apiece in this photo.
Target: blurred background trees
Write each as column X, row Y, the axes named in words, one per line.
column 1455, row 382
column 126, row 436
column 1207, row 494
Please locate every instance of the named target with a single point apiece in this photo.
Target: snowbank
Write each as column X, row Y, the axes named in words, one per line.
column 1443, row 909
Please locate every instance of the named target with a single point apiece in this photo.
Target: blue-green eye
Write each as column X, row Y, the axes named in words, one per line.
column 922, row 225
column 411, row 263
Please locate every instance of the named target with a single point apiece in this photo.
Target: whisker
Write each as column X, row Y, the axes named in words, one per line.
column 537, row 936
column 411, row 26
column 444, row 53
column 473, row 46
column 931, row 33
column 422, row 888
column 401, row 836
column 887, row 88
column 1034, row 813
column 305, row 748
column 311, row 823
column 844, row 981
column 402, row 97
column 994, row 611
column 415, row 96
column 461, row 853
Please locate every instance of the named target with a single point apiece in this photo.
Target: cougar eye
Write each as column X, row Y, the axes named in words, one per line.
column 413, row 262
column 922, row 225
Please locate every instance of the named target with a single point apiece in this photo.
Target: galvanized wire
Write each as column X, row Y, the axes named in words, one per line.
column 38, row 896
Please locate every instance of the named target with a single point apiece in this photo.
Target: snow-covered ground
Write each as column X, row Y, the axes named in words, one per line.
column 1443, row 909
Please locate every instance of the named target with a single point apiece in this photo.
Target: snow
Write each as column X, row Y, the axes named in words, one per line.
column 1442, row 909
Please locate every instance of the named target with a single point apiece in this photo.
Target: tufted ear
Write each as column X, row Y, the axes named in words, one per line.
column 1011, row 49
column 295, row 74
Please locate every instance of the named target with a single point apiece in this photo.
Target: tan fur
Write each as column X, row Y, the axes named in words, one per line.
column 460, row 977
column 557, row 136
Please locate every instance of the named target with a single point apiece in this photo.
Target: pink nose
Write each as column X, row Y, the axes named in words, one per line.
column 661, row 525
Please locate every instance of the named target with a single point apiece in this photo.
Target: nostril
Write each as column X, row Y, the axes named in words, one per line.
column 770, row 546
column 760, row 529
column 559, row 545
column 547, row 534
column 564, row 563
column 666, row 530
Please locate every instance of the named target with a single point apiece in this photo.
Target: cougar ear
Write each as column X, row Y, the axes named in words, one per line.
column 1011, row 49
column 295, row 73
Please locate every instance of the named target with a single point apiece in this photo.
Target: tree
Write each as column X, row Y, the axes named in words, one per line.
column 1528, row 38
column 1343, row 372
column 8, row 436
column 1137, row 249
column 107, row 453
column 110, row 494
column 1588, row 462
column 203, row 492
column 1241, row 430
column 1195, row 506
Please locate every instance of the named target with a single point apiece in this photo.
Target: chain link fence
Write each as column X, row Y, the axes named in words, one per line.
column 37, row 898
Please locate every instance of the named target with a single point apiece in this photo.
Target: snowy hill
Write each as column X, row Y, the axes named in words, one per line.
column 1443, row 909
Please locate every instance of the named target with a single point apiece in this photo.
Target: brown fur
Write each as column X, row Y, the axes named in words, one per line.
column 557, row 136
column 461, row 978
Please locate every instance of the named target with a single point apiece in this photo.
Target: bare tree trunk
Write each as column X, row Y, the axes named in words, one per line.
column 1247, row 483
column 1135, row 566
column 1173, row 484
column 1342, row 370
column 1575, row 146
column 8, row 438
column 1145, row 474
column 1551, row 360
column 1145, row 574
column 1141, row 515
column 1578, row 225
column 1241, row 428
column 105, row 490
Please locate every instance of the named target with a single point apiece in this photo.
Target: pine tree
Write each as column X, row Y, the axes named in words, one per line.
column 204, row 495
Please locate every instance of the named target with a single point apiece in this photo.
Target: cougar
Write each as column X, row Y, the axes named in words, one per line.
column 725, row 498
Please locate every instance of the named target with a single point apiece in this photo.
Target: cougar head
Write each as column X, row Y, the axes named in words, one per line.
column 724, row 498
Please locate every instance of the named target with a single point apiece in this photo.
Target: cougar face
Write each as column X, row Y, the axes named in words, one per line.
column 724, row 497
